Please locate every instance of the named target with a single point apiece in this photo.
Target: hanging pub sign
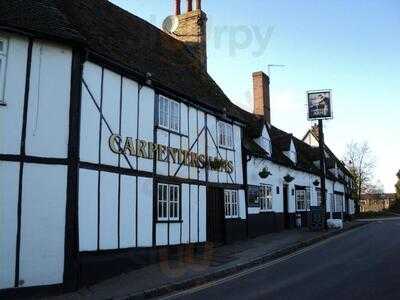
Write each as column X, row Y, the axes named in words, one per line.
column 319, row 104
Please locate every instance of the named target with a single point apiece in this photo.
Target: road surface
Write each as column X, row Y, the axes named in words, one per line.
column 360, row 264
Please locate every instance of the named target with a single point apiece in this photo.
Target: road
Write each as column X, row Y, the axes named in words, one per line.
column 360, row 264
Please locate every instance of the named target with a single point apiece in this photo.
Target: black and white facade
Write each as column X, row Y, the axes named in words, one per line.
column 115, row 144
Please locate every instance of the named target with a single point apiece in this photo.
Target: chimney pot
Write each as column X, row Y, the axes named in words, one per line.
column 177, row 7
column 189, row 5
column 261, row 95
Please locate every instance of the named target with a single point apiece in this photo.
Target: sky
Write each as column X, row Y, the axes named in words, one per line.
column 351, row 47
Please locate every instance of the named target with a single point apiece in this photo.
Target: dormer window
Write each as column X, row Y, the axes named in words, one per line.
column 3, row 64
column 168, row 114
column 225, row 135
column 292, row 153
column 264, row 141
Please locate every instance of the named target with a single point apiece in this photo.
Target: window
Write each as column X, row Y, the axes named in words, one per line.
column 168, row 203
column 231, row 204
column 266, row 144
column 3, row 61
column 338, row 203
column 225, row 135
column 302, row 200
column 168, row 114
column 265, row 198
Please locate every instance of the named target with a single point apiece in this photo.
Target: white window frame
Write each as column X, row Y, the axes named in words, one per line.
column 267, row 145
column 168, row 205
column 231, row 204
column 306, row 201
column 338, row 199
column 169, row 114
column 3, row 67
column 225, row 135
column 265, row 198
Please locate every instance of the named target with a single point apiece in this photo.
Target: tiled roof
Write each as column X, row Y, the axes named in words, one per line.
column 43, row 18
column 125, row 39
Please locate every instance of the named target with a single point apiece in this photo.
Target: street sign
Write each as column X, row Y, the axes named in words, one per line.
column 319, row 105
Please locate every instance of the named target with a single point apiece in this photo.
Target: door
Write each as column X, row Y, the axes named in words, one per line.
column 286, row 206
column 215, row 215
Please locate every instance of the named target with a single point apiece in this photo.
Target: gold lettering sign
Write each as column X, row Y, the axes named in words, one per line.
column 149, row 150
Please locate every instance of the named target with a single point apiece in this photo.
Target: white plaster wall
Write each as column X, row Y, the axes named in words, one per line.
column 110, row 109
column 145, row 212
column 174, row 233
column 108, row 211
column 14, row 91
column 184, row 119
column 49, row 99
column 146, row 121
column 202, row 213
column 213, row 176
column 237, row 131
column 194, row 236
column 175, row 142
column 194, row 219
column 163, row 139
column 255, row 165
column 162, row 234
column 128, row 212
column 43, row 224
column 87, row 210
column 242, row 205
column 201, row 144
column 90, row 117
column 193, row 142
column 129, row 112
column 9, row 174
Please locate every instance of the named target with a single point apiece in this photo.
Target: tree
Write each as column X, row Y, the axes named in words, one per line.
column 361, row 164
column 375, row 188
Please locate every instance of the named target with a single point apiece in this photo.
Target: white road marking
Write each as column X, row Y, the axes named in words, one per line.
column 379, row 219
column 255, row 269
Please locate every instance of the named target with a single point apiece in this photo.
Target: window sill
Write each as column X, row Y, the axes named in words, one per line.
column 267, row 211
column 232, row 218
column 169, row 221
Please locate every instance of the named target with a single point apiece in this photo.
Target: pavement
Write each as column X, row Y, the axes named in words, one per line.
column 191, row 270
column 360, row 264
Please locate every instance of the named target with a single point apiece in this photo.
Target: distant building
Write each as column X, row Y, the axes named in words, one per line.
column 376, row 202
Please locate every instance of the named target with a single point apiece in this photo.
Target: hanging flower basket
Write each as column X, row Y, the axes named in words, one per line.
column 264, row 173
column 288, row 178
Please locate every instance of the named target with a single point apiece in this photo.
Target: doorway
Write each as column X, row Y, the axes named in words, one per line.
column 215, row 215
column 286, row 215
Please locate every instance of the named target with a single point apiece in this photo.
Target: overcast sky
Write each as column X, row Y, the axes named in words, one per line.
column 351, row 47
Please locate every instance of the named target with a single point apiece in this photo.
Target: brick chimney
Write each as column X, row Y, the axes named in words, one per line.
column 261, row 95
column 192, row 30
